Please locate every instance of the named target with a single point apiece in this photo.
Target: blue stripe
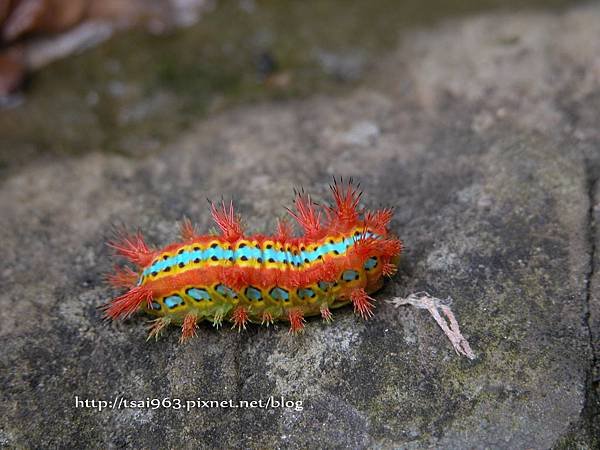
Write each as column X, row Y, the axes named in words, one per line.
column 254, row 253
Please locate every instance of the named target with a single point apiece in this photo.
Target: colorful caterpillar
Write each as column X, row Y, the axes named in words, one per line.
column 341, row 258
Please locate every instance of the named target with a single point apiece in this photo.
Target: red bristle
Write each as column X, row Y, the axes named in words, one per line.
column 125, row 305
column 326, row 314
column 267, row 318
column 370, row 246
column 346, row 198
column 306, row 215
column 390, row 247
column 123, row 277
column 157, row 326
column 329, row 270
column 366, row 247
column 226, row 220
column 296, row 318
column 187, row 230
column 378, row 220
column 389, row 269
column 234, row 277
column 240, row 317
column 362, row 303
column 133, row 248
column 188, row 329
column 284, row 230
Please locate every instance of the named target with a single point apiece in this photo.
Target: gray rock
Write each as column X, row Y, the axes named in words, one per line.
column 486, row 145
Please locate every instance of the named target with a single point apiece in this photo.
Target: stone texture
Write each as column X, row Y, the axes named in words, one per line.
column 482, row 133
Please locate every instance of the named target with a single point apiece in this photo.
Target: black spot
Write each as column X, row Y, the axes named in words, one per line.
column 231, row 259
column 197, row 260
column 357, row 233
column 165, row 256
column 335, row 252
column 331, row 241
column 167, row 269
column 259, row 260
column 181, row 264
column 271, row 260
column 302, row 249
column 214, row 258
column 306, row 260
column 180, row 251
column 215, row 245
column 196, row 249
column 269, row 246
column 154, row 274
column 242, row 245
column 244, row 258
column 320, row 257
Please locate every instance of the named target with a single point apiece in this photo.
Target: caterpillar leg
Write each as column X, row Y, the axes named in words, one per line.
column 363, row 305
column 157, row 326
column 240, row 318
column 189, row 327
column 296, row 318
column 267, row 318
column 218, row 320
column 326, row 314
column 389, row 269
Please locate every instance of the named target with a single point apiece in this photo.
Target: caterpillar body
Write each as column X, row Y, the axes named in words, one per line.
column 341, row 258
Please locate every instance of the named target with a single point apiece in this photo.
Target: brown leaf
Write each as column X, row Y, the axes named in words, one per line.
column 23, row 18
column 60, row 15
column 12, row 70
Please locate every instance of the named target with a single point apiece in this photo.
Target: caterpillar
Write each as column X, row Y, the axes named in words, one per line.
column 341, row 258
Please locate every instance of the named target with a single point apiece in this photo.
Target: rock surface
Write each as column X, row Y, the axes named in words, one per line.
column 482, row 133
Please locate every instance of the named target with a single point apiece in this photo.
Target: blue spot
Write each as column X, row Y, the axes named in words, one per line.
column 173, row 301
column 198, row 294
column 225, row 291
column 371, row 263
column 253, row 293
column 278, row 293
column 324, row 285
column 155, row 305
column 350, row 275
column 305, row 293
